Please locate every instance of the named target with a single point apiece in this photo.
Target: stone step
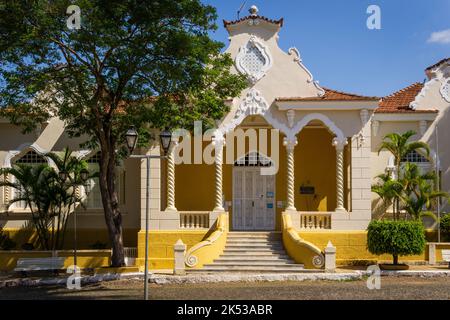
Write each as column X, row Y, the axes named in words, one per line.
column 254, row 255
column 253, row 251
column 258, row 267
column 251, row 241
column 253, row 271
column 238, row 258
column 253, row 246
column 262, row 263
column 276, row 236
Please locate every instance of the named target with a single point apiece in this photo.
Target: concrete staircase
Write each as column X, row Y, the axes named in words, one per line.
column 253, row 252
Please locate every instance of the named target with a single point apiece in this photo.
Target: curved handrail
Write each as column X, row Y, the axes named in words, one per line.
column 298, row 249
column 215, row 243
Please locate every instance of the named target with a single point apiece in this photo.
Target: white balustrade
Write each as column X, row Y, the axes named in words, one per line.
column 315, row 221
column 194, row 220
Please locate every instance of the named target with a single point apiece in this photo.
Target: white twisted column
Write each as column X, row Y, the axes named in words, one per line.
column 171, row 179
column 218, row 142
column 290, row 145
column 339, row 145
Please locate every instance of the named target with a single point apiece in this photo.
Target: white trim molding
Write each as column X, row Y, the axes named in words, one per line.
column 321, row 117
column 22, row 149
column 399, row 117
column 254, row 43
column 296, row 54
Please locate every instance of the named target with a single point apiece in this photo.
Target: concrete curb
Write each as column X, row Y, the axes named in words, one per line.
column 162, row 279
column 24, row 282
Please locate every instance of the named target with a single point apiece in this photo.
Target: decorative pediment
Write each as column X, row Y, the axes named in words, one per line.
column 253, row 104
column 254, row 59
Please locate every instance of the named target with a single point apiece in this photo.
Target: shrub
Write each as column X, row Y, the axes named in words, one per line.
column 399, row 238
column 98, row 245
column 27, row 246
column 445, row 225
column 6, row 243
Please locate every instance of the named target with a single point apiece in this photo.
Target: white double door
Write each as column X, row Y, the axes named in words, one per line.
column 253, row 199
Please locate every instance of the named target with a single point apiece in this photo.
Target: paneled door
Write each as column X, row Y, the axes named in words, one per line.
column 253, row 199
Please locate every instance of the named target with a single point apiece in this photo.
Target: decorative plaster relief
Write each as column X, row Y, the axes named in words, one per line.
column 290, row 115
column 364, row 114
column 375, row 127
column 423, row 126
column 254, row 59
column 445, row 90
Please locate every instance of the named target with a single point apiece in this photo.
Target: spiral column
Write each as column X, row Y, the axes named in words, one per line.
column 171, row 180
column 339, row 145
column 218, row 145
column 290, row 145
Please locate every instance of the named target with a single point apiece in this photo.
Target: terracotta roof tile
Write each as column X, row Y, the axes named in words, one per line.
column 399, row 101
column 331, row 95
column 227, row 23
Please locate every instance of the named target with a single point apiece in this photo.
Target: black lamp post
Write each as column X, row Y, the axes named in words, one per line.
column 84, row 175
column 131, row 137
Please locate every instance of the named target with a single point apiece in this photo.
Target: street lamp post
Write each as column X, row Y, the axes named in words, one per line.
column 131, row 140
column 84, row 175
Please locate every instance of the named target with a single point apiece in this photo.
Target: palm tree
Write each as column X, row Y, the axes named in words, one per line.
column 399, row 146
column 32, row 184
column 418, row 192
column 49, row 198
column 387, row 189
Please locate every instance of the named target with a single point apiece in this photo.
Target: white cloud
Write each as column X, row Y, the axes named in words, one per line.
column 440, row 37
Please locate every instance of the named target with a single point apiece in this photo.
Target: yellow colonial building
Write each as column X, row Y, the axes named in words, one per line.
column 290, row 167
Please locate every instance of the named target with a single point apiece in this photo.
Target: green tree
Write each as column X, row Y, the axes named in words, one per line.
column 387, row 189
column 398, row 238
column 399, row 146
column 418, row 193
column 147, row 64
column 49, row 199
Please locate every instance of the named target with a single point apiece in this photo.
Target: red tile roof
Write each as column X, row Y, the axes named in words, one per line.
column 226, row 23
column 399, row 101
column 331, row 95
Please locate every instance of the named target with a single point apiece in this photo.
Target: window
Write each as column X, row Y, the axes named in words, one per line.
column 253, row 159
column 415, row 157
column 94, row 198
column 30, row 158
column 253, row 61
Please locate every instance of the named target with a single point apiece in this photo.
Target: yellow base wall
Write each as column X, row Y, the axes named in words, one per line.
column 85, row 258
column 351, row 247
column 161, row 243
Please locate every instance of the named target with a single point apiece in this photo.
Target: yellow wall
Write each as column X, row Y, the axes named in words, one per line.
column 85, row 258
column 161, row 246
column 351, row 246
column 315, row 165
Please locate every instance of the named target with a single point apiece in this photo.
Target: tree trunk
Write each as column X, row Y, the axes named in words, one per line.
column 113, row 216
column 395, row 259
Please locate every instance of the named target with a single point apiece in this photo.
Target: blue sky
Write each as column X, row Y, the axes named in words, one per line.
column 342, row 53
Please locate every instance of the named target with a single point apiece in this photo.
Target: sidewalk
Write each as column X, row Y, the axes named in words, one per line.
column 160, row 277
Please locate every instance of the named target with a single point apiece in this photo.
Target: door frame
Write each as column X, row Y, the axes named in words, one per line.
column 243, row 228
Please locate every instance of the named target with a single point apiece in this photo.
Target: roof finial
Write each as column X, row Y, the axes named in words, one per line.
column 253, row 10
